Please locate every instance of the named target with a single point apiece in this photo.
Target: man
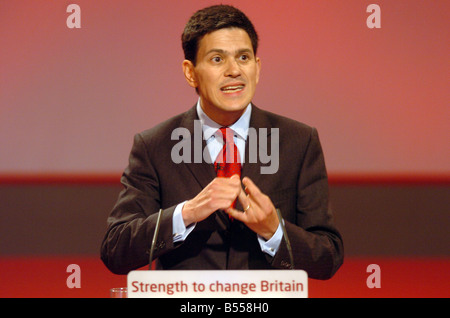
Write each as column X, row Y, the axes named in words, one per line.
column 211, row 220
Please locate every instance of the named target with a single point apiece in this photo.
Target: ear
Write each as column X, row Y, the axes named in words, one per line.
column 189, row 73
column 258, row 69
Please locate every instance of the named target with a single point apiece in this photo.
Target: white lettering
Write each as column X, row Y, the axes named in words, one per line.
column 74, row 279
column 74, row 20
column 374, row 20
column 374, row 279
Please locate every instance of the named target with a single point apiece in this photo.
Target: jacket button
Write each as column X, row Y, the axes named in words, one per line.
column 161, row 245
column 285, row 264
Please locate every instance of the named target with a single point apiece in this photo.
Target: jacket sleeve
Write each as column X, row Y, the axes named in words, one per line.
column 316, row 243
column 131, row 224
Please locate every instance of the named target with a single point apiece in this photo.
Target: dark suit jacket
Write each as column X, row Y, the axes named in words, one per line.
column 152, row 181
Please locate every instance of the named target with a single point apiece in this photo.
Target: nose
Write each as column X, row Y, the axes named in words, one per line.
column 233, row 69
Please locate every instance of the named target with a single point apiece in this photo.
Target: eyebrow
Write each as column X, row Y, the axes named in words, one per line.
column 246, row 50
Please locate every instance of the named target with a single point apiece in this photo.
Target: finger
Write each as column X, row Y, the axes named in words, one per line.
column 243, row 198
column 253, row 192
column 221, row 185
column 236, row 214
column 221, row 193
column 250, row 187
column 235, row 176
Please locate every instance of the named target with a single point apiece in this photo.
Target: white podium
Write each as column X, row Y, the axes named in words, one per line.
column 218, row 284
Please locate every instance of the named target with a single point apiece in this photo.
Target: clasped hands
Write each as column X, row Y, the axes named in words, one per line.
column 259, row 212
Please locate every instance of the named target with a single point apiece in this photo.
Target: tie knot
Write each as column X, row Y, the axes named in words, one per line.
column 227, row 134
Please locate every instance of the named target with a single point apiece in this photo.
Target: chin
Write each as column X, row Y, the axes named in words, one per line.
column 235, row 106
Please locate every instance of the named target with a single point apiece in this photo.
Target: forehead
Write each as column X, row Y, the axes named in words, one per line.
column 228, row 39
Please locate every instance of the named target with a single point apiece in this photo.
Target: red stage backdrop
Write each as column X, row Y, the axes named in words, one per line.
column 73, row 95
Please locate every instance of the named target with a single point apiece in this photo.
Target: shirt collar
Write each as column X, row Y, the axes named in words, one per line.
column 240, row 127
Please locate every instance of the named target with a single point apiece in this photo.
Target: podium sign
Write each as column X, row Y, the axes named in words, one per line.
column 218, row 284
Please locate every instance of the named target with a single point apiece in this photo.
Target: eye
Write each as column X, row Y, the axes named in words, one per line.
column 216, row 59
column 244, row 57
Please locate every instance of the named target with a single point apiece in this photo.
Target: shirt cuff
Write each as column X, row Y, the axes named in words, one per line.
column 271, row 246
column 179, row 230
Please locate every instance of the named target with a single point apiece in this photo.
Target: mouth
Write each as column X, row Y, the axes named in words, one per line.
column 234, row 88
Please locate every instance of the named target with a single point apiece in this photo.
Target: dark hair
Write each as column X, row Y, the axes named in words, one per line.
column 212, row 19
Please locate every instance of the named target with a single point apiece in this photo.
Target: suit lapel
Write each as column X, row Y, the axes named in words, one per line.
column 252, row 168
column 202, row 172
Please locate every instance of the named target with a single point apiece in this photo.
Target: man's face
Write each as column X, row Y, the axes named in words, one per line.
column 225, row 75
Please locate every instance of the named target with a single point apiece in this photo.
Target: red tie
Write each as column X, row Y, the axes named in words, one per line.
column 228, row 162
